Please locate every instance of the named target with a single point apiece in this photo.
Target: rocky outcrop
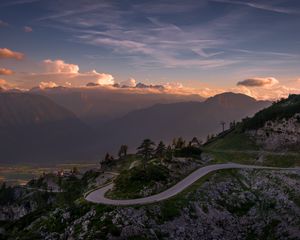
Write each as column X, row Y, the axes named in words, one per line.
column 14, row 212
column 281, row 134
column 232, row 204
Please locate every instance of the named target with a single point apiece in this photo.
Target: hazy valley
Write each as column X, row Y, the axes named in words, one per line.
column 46, row 131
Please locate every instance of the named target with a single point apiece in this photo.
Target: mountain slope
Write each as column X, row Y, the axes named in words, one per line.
column 98, row 105
column 186, row 119
column 276, row 128
column 33, row 128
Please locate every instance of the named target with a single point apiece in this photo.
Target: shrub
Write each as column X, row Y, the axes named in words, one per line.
column 188, row 152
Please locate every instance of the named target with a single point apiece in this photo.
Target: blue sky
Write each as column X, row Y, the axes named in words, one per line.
column 197, row 43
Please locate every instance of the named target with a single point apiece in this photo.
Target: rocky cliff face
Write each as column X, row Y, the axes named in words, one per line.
column 13, row 210
column 281, row 134
column 231, row 204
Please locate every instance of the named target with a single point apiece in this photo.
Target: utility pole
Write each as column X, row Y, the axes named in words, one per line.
column 223, row 125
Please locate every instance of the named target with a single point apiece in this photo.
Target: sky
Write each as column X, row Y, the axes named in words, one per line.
column 194, row 46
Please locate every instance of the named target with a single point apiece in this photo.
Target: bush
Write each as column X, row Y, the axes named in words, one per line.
column 130, row 182
column 188, row 152
column 169, row 211
column 150, row 173
column 6, row 194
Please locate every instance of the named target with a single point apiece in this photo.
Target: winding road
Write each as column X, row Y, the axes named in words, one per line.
column 98, row 196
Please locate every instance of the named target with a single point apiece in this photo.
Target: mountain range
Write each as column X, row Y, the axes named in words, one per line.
column 35, row 129
column 185, row 119
column 54, row 126
column 97, row 105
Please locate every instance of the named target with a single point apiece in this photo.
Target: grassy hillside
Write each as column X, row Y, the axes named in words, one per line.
column 237, row 146
column 235, row 140
column 284, row 108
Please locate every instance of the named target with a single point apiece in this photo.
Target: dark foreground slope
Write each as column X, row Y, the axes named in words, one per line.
column 34, row 129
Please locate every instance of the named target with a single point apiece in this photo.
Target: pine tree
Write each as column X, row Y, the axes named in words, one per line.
column 146, row 150
column 174, row 143
column 180, row 143
column 169, row 153
column 195, row 142
column 123, row 151
column 160, row 150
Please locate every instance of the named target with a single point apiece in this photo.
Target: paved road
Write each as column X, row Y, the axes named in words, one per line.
column 97, row 196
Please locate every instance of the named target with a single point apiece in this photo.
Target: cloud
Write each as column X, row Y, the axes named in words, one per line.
column 3, row 24
column 258, row 82
column 18, row 2
column 267, row 88
column 7, row 53
column 27, row 29
column 59, row 66
column 5, row 71
column 256, row 5
column 44, row 85
column 131, row 82
column 163, row 42
column 272, row 93
column 4, row 84
column 63, row 74
column 102, row 78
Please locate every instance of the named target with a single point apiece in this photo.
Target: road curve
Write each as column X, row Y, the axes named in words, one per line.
column 98, row 196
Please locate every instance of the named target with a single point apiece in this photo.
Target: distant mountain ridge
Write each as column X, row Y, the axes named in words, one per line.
column 185, row 119
column 97, row 105
column 228, row 99
column 38, row 110
column 35, row 129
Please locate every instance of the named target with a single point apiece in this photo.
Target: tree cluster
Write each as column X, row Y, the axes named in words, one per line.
column 148, row 149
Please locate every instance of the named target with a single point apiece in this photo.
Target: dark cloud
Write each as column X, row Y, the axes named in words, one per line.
column 3, row 24
column 258, row 82
column 27, row 29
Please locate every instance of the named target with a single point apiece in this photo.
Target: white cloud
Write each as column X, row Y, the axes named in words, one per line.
column 102, row 78
column 272, row 93
column 44, row 85
column 267, row 88
column 173, row 85
column 7, row 53
column 62, row 74
column 59, row 66
column 131, row 82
